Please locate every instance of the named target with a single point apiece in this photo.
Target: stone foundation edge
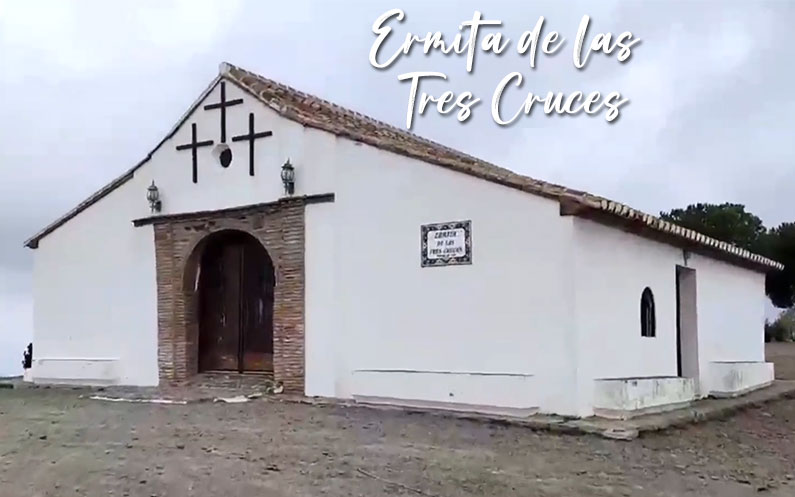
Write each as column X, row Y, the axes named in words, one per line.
column 514, row 412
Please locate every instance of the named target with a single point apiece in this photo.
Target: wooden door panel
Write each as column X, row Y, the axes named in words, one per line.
column 219, row 342
column 257, row 362
column 229, row 339
column 236, row 285
column 257, row 309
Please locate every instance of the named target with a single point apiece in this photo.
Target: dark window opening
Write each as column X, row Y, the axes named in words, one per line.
column 648, row 321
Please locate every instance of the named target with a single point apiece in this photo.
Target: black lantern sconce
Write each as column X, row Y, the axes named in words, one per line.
column 153, row 196
column 288, row 177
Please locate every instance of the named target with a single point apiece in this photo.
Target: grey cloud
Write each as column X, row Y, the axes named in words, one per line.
column 87, row 88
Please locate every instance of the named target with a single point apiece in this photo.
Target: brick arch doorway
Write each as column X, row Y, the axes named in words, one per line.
column 180, row 240
column 235, row 295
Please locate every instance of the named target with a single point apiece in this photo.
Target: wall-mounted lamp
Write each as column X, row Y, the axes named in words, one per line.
column 288, row 177
column 153, row 196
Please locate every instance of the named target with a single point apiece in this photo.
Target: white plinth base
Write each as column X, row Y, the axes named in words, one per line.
column 76, row 371
column 731, row 379
column 490, row 393
column 623, row 398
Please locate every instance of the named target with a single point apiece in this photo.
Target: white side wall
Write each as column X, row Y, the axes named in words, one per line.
column 731, row 311
column 613, row 267
column 731, row 314
column 508, row 313
column 323, row 347
column 95, row 310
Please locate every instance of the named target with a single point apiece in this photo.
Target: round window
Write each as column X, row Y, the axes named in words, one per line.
column 223, row 154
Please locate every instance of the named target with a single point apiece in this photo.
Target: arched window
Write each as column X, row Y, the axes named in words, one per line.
column 648, row 321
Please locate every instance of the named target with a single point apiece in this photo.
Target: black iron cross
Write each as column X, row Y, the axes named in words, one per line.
column 223, row 104
column 194, row 146
column 251, row 136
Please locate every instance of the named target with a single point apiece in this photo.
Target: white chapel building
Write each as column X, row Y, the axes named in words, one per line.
column 274, row 232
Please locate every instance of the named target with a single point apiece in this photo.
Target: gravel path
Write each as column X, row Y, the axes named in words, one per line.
column 55, row 443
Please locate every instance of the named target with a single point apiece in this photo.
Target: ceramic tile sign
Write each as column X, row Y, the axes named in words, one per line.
column 446, row 244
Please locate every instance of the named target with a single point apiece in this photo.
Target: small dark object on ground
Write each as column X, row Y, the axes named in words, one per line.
column 27, row 357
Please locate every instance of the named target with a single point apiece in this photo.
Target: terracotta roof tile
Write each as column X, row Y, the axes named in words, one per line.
column 317, row 113
column 321, row 114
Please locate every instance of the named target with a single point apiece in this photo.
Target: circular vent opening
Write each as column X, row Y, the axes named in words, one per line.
column 223, row 154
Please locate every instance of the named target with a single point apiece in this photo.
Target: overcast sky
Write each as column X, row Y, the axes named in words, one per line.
column 87, row 88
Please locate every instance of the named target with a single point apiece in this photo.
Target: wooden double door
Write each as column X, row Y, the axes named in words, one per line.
column 236, row 287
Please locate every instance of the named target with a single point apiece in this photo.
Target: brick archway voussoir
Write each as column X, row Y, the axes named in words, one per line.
column 179, row 241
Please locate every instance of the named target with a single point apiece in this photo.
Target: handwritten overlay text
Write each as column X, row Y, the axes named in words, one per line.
column 527, row 45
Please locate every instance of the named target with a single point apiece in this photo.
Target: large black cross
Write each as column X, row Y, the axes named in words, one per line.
column 223, row 104
column 251, row 136
column 194, row 146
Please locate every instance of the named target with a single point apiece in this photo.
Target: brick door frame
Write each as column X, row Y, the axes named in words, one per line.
column 180, row 241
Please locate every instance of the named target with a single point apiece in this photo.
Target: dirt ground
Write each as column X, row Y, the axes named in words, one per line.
column 783, row 356
column 54, row 443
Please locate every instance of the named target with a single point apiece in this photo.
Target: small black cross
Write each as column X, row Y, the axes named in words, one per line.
column 251, row 136
column 223, row 104
column 194, row 146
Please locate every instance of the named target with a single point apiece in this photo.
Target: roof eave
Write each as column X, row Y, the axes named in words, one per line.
column 641, row 224
column 387, row 137
column 33, row 242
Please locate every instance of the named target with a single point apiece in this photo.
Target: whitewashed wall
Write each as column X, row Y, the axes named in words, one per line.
column 323, row 346
column 506, row 313
column 94, row 310
column 611, row 270
column 309, row 150
column 731, row 313
column 613, row 267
